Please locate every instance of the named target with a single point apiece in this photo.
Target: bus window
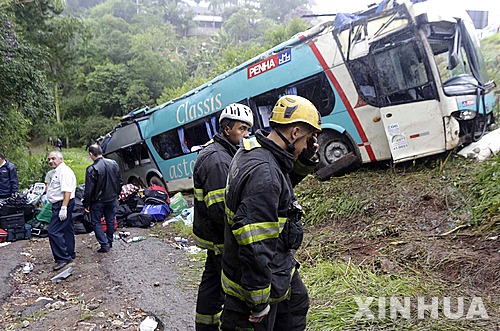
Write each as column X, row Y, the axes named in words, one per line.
column 134, row 155
column 265, row 113
column 197, row 134
column 318, row 90
column 262, row 105
column 167, row 144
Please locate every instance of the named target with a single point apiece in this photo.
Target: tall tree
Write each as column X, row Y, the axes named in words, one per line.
column 277, row 10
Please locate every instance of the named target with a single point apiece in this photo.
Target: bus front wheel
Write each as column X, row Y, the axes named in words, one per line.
column 332, row 146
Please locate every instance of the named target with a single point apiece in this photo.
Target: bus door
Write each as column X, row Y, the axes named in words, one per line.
column 414, row 131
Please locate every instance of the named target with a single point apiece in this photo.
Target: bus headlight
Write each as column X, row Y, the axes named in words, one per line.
column 464, row 115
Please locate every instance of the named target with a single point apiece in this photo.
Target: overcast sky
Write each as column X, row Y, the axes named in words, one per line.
column 349, row 6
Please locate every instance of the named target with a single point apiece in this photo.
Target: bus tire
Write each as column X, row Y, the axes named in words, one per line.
column 136, row 181
column 333, row 146
column 155, row 180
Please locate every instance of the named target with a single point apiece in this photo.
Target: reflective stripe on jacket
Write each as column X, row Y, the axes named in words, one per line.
column 263, row 227
column 210, row 174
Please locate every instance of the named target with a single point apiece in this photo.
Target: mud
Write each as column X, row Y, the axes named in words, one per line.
column 106, row 291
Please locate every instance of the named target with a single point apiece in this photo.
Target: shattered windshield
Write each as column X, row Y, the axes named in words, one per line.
column 394, row 72
column 440, row 37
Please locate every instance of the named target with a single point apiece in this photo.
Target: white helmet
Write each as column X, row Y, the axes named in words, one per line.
column 237, row 112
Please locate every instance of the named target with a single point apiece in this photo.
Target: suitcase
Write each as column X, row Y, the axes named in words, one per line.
column 7, row 210
column 12, row 221
column 27, row 209
column 21, row 233
column 39, row 229
column 105, row 226
column 3, row 235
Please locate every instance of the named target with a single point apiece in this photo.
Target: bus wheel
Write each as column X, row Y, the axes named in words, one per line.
column 332, row 146
column 155, row 180
column 136, row 181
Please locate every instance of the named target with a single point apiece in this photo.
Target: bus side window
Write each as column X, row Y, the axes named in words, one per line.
column 265, row 114
column 167, row 144
column 197, row 135
column 183, row 140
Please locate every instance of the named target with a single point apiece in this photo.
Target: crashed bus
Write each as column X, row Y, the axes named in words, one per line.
column 399, row 81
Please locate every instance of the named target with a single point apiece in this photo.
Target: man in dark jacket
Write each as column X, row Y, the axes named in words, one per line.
column 8, row 178
column 103, row 183
column 263, row 222
column 210, row 174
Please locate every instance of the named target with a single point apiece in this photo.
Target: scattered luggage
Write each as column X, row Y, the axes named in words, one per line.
column 158, row 212
column 139, row 220
column 3, row 235
column 12, row 221
column 155, row 197
column 21, row 233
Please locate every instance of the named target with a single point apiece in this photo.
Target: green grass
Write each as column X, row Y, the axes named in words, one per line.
column 486, row 210
column 338, row 289
column 78, row 160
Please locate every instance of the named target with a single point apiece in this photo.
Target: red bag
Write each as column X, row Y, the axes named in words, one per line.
column 104, row 226
column 3, row 235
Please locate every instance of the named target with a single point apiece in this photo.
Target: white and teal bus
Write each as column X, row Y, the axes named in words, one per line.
column 394, row 83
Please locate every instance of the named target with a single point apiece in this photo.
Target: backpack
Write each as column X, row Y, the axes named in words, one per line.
column 155, row 196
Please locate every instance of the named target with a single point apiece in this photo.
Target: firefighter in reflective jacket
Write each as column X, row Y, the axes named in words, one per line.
column 210, row 175
column 263, row 222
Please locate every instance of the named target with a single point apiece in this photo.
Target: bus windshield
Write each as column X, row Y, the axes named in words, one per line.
column 469, row 71
column 393, row 72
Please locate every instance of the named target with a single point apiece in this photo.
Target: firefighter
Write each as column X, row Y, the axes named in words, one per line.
column 263, row 222
column 210, row 174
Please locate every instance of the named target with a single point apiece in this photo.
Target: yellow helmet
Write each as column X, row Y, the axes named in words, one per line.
column 293, row 109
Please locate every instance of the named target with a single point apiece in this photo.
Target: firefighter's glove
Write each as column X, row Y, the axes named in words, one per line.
column 63, row 213
column 257, row 317
column 312, row 148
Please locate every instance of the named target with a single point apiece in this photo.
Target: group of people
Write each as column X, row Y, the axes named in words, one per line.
column 246, row 214
column 249, row 220
column 103, row 184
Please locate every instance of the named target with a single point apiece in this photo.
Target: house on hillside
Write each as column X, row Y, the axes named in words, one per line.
column 206, row 25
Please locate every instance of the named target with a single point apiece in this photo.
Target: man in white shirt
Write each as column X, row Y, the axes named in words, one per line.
column 61, row 194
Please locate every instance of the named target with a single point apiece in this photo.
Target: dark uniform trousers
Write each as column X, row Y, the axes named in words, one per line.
column 210, row 295
column 62, row 233
column 287, row 315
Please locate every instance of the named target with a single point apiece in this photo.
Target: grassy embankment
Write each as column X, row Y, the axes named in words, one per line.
column 381, row 232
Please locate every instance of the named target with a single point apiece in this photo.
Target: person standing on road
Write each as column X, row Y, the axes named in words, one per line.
column 263, row 222
column 210, row 174
column 8, row 178
column 103, row 183
column 61, row 194
column 59, row 144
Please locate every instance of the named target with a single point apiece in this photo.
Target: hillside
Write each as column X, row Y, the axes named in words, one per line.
column 416, row 231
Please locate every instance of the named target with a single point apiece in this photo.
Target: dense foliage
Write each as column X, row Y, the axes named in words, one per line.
column 69, row 70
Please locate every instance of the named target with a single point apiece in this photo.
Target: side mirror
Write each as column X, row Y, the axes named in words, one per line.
column 453, row 56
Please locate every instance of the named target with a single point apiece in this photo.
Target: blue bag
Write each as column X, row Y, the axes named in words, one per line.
column 158, row 212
